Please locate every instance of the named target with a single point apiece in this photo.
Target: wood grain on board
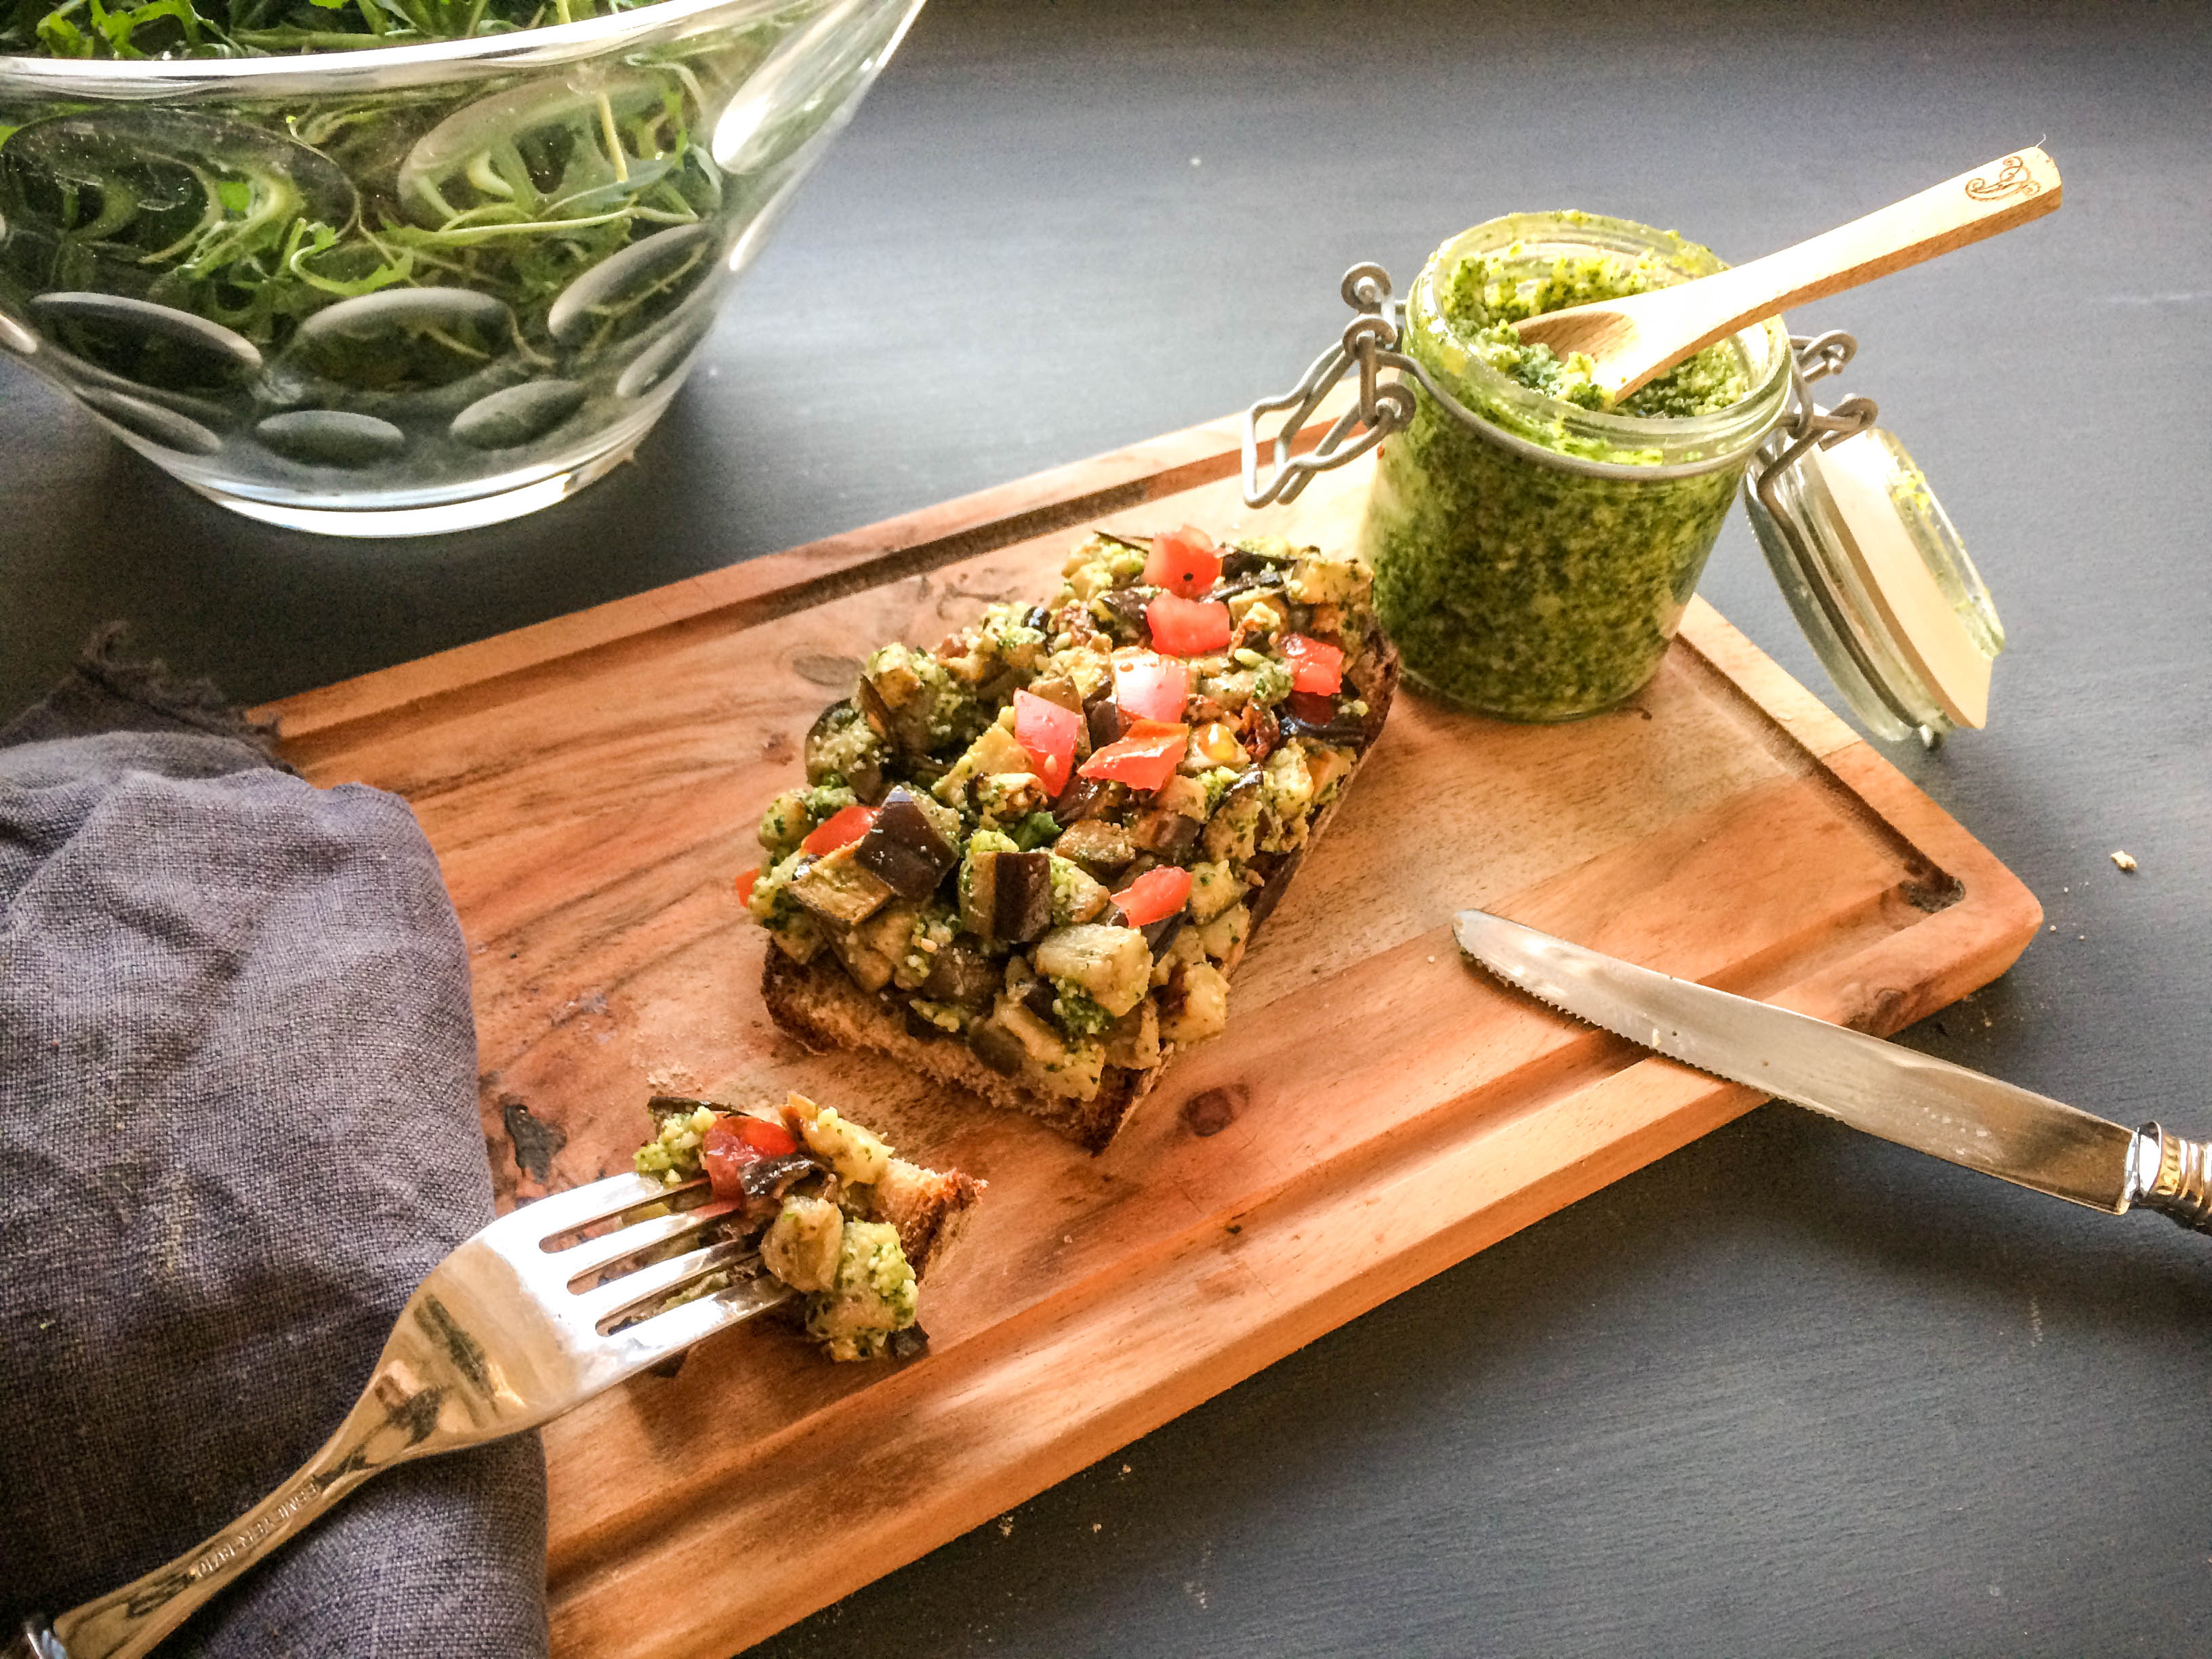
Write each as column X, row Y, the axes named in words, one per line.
column 1376, row 1112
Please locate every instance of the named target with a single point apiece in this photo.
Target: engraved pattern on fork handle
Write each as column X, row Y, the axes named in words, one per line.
column 398, row 1417
column 2172, row 1175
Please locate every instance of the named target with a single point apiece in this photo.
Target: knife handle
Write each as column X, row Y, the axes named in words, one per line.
column 2172, row 1175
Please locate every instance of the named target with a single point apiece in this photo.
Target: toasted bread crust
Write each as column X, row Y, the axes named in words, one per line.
column 929, row 1208
column 818, row 1004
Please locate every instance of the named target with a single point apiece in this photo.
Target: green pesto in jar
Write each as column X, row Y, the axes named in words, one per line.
column 1485, row 295
column 1513, row 584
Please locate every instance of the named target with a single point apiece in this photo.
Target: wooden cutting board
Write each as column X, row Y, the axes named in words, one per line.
column 1376, row 1112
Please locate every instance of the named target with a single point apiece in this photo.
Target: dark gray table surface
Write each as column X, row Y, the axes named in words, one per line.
column 1791, row 1390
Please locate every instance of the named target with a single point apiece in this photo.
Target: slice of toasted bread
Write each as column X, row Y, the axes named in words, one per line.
column 929, row 1207
column 818, row 1004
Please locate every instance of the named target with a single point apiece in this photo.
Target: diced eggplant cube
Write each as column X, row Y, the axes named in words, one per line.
column 835, row 888
column 1020, row 886
column 1106, row 722
column 962, row 974
column 997, row 1048
column 1086, row 798
column 1113, row 964
column 1169, row 834
column 1102, row 848
column 903, row 848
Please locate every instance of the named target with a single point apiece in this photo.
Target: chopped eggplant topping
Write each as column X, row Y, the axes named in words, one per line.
column 1101, row 848
column 961, row 974
column 1087, row 797
column 1105, row 720
column 998, row 1049
column 1009, row 896
column 1239, row 561
column 978, row 899
column 1169, row 834
column 1310, row 714
column 1037, row 997
column 836, row 889
column 1122, row 611
column 769, row 1178
column 904, row 849
column 1160, row 934
column 802, row 1186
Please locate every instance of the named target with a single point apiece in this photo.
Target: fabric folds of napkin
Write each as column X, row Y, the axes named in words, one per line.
column 238, row 1124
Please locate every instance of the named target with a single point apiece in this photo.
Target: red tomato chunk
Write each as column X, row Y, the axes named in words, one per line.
column 1183, row 561
column 733, row 1142
column 746, row 880
column 1315, row 667
column 1145, row 759
column 1047, row 732
column 839, row 830
column 1154, row 896
column 1150, row 687
column 1187, row 628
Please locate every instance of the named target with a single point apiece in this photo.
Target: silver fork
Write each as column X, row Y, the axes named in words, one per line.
column 509, row 1331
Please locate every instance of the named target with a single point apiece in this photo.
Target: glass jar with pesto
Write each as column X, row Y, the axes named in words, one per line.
column 1534, row 550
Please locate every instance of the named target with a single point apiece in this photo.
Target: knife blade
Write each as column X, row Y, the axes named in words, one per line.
column 1930, row 1105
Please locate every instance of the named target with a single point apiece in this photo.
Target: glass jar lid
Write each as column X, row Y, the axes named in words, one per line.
column 1872, row 568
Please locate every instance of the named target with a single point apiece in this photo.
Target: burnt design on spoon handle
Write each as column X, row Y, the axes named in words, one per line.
column 1635, row 338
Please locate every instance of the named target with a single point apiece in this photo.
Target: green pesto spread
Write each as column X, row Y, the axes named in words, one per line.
column 1485, row 296
column 1520, row 588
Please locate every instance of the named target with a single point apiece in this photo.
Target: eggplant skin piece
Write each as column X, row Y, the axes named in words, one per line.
column 903, row 850
column 1021, row 896
column 1087, row 797
column 998, row 1049
column 1105, row 722
column 1311, row 714
column 962, row 974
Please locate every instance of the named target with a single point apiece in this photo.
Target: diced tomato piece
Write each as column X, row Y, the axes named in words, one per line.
column 840, row 829
column 1315, row 667
column 1150, row 687
column 746, row 880
column 1187, row 628
column 1144, row 758
column 1047, row 732
column 1183, row 561
column 1154, row 896
column 734, row 1141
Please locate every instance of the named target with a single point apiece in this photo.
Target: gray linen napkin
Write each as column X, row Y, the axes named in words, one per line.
column 238, row 1123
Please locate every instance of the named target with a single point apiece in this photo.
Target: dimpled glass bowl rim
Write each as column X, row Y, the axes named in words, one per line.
column 383, row 69
column 389, row 68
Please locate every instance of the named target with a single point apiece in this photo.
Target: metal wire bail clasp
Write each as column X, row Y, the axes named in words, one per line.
column 1370, row 341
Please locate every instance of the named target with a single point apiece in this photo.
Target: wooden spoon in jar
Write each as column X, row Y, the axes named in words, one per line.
column 1633, row 340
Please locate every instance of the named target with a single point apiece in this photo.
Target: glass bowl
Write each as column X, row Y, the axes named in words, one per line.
column 415, row 288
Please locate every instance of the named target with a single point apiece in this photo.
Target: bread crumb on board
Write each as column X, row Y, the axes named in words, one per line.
column 2125, row 860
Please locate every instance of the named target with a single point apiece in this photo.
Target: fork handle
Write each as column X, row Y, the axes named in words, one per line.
column 386, row 1426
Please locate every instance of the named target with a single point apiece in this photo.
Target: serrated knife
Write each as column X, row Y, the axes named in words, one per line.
column 1914, row 1099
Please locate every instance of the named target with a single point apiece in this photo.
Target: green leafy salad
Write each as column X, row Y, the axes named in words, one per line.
column 240, row 28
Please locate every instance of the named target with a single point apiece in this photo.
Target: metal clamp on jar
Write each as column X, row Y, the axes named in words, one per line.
column 1866, row 555
column 1534, row 556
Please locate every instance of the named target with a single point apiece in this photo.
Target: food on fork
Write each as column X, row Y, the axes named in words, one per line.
column 1028, row 861
column 840, row 1218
